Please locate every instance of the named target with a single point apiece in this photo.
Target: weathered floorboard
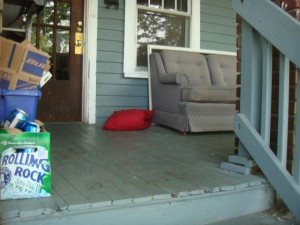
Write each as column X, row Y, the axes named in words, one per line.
column 94, row 169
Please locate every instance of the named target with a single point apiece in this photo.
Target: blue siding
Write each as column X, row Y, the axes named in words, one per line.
column 218, row 25
column 114, row 92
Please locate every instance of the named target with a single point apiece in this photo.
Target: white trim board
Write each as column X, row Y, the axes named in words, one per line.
column 160, row 47
column 89, row 62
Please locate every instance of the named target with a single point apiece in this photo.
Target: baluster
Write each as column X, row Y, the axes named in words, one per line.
column 283, row 109
column 266, row 91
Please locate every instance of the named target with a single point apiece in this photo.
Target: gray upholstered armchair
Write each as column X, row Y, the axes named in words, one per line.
column 193, row 92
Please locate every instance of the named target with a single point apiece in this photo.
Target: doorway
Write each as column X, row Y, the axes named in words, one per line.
column 54, row 30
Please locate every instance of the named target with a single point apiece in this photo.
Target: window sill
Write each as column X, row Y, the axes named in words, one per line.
column 137, row 74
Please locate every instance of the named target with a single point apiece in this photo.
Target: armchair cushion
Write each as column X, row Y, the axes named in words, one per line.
column 191, row 63
column 222, row 69
column 209, row 94
column 175, row 78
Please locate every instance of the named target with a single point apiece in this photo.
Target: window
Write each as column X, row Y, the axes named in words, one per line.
column 167, row 26
column 158, row 22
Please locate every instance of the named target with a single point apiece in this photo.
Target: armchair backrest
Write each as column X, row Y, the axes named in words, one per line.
column 222, row 69
column 192, row 64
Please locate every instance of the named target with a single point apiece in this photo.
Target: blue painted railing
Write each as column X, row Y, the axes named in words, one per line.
column 265, row 25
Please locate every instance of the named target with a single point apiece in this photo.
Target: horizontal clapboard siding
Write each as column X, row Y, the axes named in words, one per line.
column 114, row 92
column 122, row 101
column 218, row 26
column 122, row 90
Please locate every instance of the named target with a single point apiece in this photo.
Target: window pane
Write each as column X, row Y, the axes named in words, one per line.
column 160, row 29
column 156, row 3
column 142, row 2
column 182, row 5
column 62, row 67
column 47, row 15
column 169, row 4
column 62, row 41
column 46, row 39
column 63, row 13
column 33, row 35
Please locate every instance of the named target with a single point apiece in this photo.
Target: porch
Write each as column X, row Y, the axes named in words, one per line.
column 154, row 176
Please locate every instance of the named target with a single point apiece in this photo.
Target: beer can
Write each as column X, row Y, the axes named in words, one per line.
column 31, row 127
column 16, row 119
column 25, row 149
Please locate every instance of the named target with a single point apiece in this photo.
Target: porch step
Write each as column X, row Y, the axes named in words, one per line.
column 193, row 207
column 238, row 164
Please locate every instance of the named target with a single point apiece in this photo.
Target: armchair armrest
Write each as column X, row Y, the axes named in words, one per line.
column 174, row 78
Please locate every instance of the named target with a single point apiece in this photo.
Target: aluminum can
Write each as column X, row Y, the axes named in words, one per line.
column 25, row 149
column 16, row 119
column 31, row 127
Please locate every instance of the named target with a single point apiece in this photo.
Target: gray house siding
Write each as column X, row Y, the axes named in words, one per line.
column 218, row 25
column 114, row 92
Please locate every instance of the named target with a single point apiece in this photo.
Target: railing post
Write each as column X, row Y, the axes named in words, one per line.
column 251, row 92
column 251, row 89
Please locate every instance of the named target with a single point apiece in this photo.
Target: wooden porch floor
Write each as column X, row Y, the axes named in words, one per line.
column 93, row 168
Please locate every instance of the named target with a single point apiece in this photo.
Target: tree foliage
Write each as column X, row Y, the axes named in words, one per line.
column 47, row 19
column 159, row 29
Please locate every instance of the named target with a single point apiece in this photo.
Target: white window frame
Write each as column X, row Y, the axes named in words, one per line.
column 130, row 36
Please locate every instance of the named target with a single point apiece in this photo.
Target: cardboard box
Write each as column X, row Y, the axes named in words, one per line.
column 45, row 78
column 6, row 81
column 25, row 164
column 21, row 62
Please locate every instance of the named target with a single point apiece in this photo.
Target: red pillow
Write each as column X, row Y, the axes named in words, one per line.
column 131, row 119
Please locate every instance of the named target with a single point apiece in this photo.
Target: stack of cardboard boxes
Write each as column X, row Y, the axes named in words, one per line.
column 22, row 65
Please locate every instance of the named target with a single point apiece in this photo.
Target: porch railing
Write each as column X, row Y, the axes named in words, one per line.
column 265, row 25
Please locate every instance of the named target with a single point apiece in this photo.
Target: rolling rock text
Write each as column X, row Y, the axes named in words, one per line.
column 23, row 172
column 35, row 168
